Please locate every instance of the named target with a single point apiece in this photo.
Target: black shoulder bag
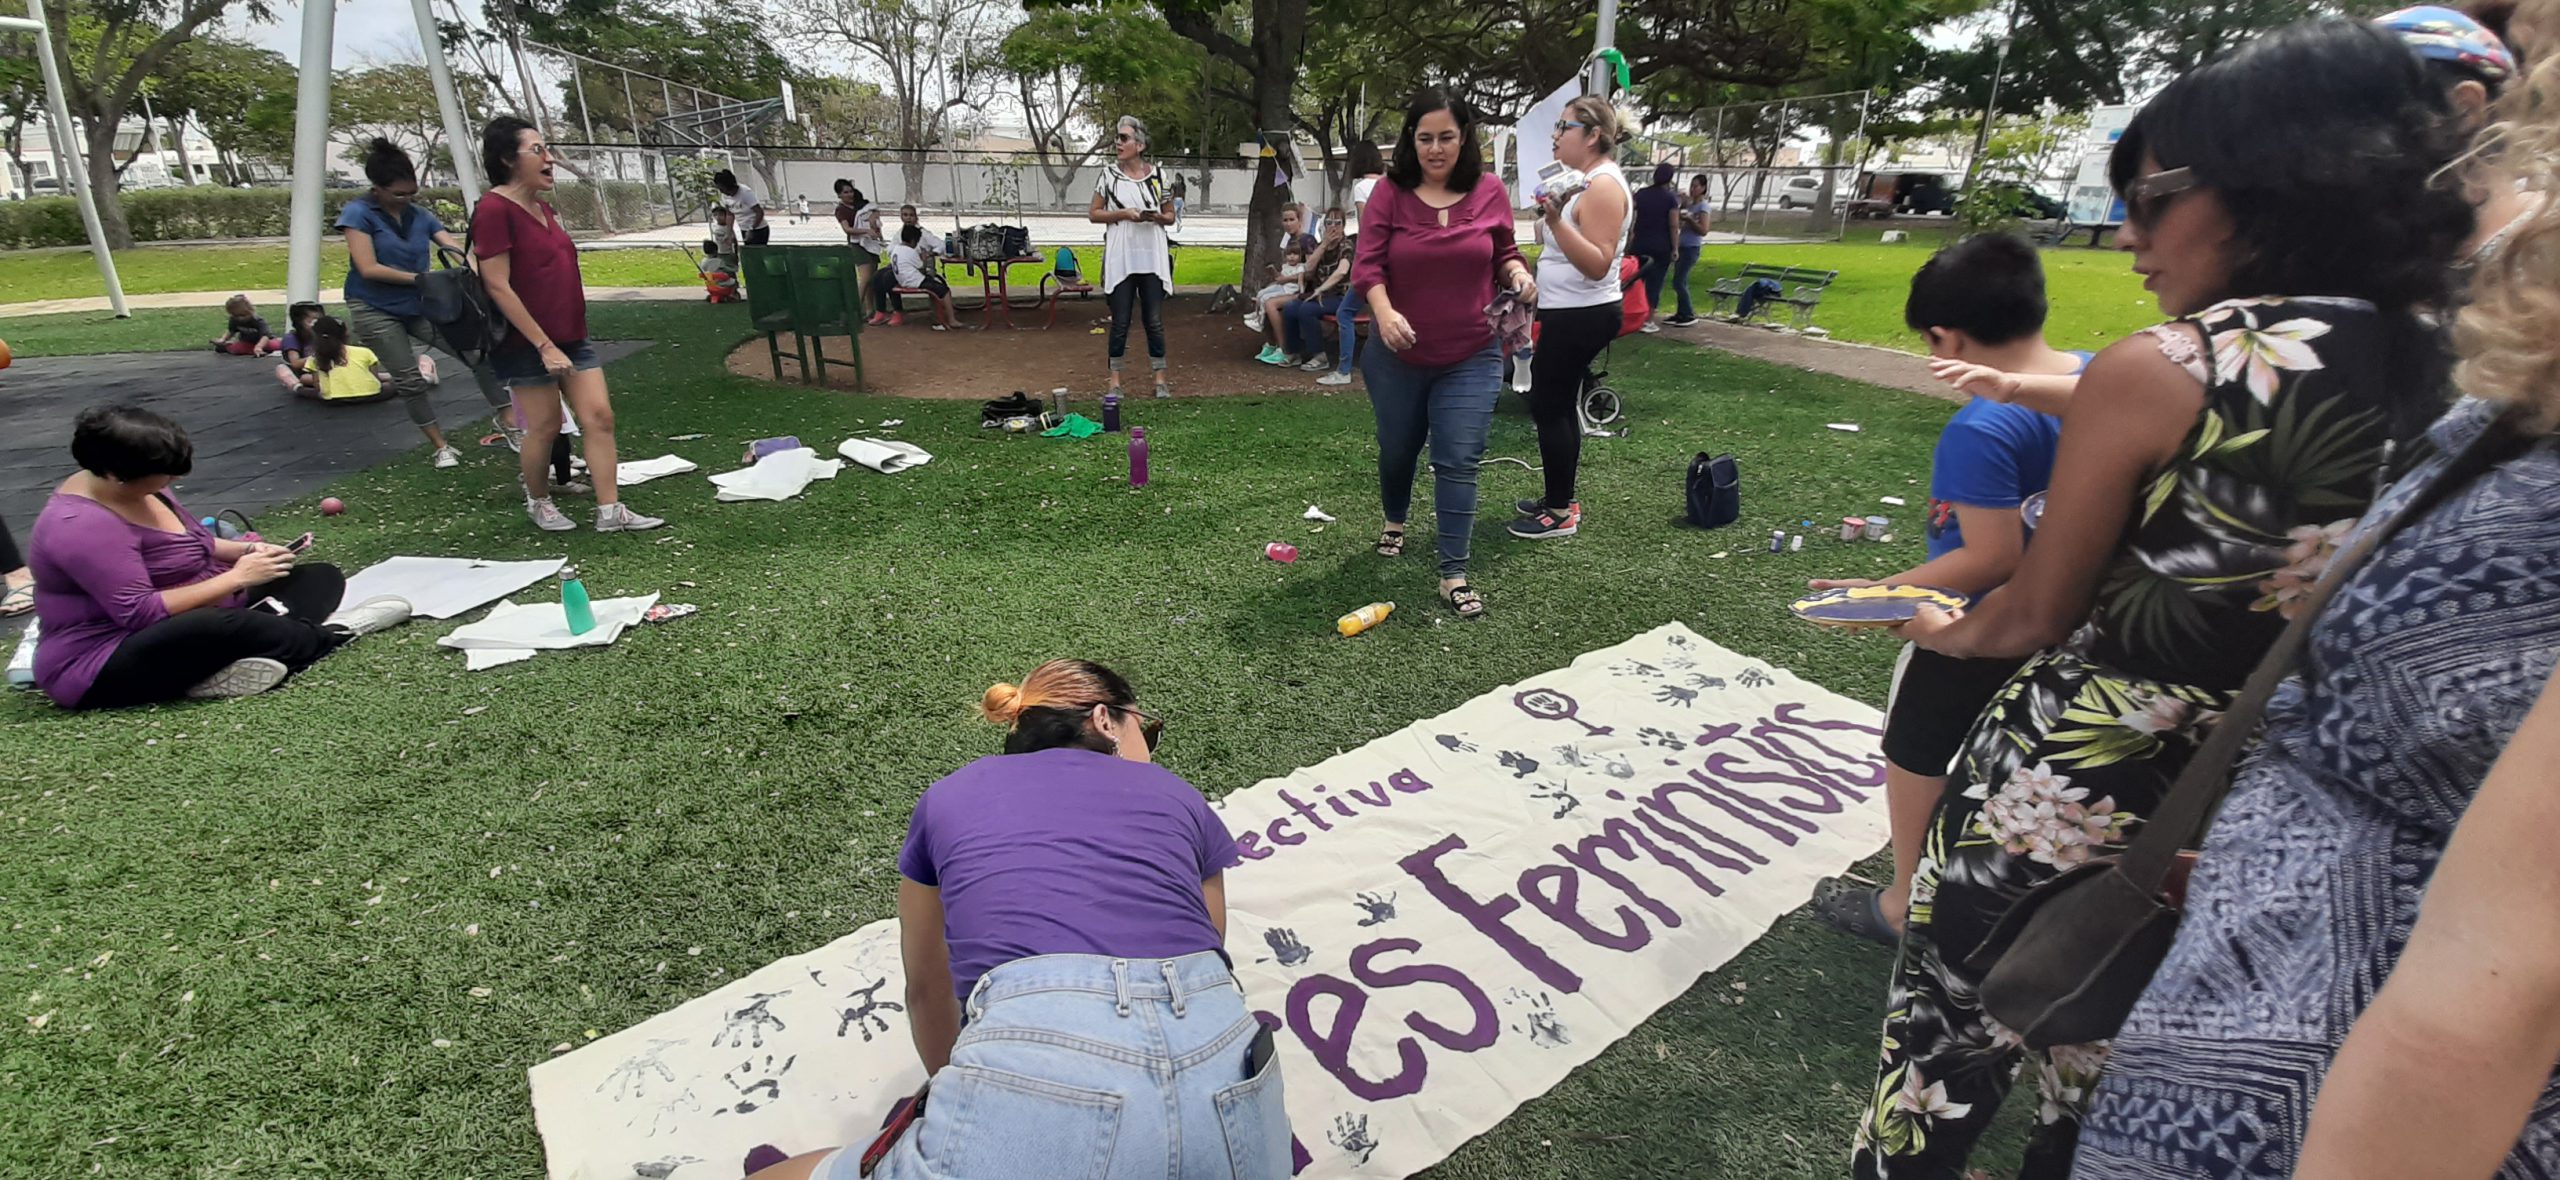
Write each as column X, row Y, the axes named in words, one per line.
column 2066, row 963
column 457, row 303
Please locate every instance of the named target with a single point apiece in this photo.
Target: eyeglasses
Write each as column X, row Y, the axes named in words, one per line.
column 2146, row 197
column 1123, row 137
column 1150, row 725
column 1564, row 125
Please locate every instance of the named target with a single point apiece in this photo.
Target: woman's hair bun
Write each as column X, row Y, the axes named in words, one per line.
column 1002, row 704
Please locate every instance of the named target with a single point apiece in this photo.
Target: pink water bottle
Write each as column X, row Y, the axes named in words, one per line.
column 1137, row 456
column 1280, row 551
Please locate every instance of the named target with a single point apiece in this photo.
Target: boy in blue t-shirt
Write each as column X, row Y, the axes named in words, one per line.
column 1981, row 302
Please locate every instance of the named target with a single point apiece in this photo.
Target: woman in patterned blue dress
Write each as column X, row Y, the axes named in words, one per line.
column 2380, row 781
column 2206, row 468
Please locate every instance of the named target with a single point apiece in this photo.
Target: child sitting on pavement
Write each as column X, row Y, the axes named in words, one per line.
column 246, row 334
column 341, row 371
column 719, row 273
column 295, row 347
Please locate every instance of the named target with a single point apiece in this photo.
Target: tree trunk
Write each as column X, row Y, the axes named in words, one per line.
column 1823, row 197
column 101, row 135
column 186, row 168
column 1279, row 38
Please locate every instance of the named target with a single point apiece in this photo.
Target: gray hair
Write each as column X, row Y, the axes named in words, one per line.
column 1136, row 127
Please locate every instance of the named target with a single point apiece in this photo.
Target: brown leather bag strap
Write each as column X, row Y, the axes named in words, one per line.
column 2198, row 791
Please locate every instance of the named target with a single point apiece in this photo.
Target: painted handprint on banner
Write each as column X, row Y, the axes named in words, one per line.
column 663, row 1166
column 1564, row 800
column 748, row 1023
column 867, row 1013
column 1673, row 694
column 1350, row 1132
column 1572, row 756
column 1755, row 678
column 1702, row 680
column 1539, row 1022
column 1521, row 765
column 1286, row 947
column 1453, row 743
column 1663, row 738
column 758, row 1083
column 1379, row 909
column 631, row 1078
column 1616, row 767
column 1637, row 668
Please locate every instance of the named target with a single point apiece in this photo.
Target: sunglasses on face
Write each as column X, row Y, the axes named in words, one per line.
column 1123, row 137
column 1150, row 726
column 2147, row 197
column 1564, row 125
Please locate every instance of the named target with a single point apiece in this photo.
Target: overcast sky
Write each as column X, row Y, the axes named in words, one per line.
column 368, row 30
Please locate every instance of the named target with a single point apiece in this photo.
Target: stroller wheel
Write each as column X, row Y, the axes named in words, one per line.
column 1600, row 405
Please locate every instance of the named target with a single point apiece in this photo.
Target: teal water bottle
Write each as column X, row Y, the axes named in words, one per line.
column 573, row 602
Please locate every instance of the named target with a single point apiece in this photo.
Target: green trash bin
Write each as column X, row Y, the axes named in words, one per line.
column 766, row 273
column 826, row 300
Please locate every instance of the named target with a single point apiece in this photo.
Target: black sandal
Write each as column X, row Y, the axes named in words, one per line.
column 1391, row 543
column 1464, row 599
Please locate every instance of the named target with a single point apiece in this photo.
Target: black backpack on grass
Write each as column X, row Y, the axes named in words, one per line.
column 455, row 301
column 1714, row 491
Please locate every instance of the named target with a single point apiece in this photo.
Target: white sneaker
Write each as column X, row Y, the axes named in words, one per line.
column 1335, row 378
column 1316, row 364
column 514, row 435
column 378, row 613
column 548, row 517
column 618, row 517
column 1651, row 326
column 447, row 456
column 1253, row 320
column 240, row 678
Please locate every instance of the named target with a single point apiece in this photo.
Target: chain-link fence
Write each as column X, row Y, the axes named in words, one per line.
column 1786, row 170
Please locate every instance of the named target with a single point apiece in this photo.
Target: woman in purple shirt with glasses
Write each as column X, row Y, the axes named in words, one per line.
column 140, row 603
column 1062, row 914
column 1435, row 242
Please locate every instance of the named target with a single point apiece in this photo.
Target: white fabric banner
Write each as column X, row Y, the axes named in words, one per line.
column 1444, row 922
column 442, row 587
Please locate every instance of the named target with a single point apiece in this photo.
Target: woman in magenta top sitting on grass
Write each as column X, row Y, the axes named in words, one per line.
column 140, row 603
column 1435, row 241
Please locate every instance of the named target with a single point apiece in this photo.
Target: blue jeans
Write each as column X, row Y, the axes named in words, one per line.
column 1453, row 408
column 1350, row 328
column 1680, row 280
column 1302, row 325
column 1092, row 1067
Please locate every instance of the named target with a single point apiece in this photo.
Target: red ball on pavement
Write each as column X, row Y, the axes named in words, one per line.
column 331, row 506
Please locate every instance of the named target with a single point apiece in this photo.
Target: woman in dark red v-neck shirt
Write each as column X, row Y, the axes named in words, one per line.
column 530, row 267
column 1435, row 242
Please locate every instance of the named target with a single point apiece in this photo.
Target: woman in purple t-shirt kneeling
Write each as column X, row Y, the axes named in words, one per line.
column 1434, row 241
column 1063, row 912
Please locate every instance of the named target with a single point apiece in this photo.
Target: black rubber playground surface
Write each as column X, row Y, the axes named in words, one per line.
column 256, row 446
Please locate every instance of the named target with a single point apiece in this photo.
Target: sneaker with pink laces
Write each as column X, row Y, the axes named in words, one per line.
column 548, row 517
column 618, row 517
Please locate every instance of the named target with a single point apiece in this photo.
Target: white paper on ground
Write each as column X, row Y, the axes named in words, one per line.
column 887, row 456
column 778, row 476
column 636, row 471
column 511, row 633
column 442, row 587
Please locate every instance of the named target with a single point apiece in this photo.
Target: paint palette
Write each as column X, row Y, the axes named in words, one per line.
column 1873, row 606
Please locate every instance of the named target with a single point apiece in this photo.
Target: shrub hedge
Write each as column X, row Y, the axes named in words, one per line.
column 183, row 214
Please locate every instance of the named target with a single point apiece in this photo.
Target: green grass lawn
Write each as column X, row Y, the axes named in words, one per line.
column 242, row 935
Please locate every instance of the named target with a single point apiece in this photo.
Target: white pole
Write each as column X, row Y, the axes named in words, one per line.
column 66, row 152
column 1605, row 36
column 457, row 125
column 310, row 152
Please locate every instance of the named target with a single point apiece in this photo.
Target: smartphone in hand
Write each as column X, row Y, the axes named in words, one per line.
column 301, row 543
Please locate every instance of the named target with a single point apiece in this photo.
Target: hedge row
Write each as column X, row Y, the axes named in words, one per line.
column 182, row 214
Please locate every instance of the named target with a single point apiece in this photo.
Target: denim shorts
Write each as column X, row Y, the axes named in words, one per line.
column 524, row 367
column 1081, row 1067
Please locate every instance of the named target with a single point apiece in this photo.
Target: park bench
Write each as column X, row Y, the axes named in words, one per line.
column 1799, row 287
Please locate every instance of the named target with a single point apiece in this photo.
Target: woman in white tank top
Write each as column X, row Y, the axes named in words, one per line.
column 1578, row 306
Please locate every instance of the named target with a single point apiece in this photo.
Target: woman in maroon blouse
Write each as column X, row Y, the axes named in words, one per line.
column 530, row 268
column 1434, row 242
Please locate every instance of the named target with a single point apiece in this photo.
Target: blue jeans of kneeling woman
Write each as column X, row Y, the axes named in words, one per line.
column 1090, row 1067
column 1450, row 407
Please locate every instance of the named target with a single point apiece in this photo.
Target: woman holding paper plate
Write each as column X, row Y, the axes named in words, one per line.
column 1062, row 913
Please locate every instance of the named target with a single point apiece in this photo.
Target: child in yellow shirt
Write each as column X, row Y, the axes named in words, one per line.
column 344, row 372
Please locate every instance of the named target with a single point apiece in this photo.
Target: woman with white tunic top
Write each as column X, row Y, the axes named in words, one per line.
column 1137, row 258
column 1578, row 305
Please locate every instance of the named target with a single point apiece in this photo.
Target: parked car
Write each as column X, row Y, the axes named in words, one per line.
column 2030, row 204
column 1883, row 194
column 1799, row 191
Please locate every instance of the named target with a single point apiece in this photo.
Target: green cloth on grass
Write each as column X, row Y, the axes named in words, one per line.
column 1073, row 426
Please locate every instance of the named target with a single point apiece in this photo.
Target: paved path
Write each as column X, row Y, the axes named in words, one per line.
column 1857, row 362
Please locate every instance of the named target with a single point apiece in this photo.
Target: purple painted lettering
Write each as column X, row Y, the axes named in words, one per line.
column 1277, row 837
column 1249, row 846
column 1385, row 797
column 1555, row 888
column 1332, row 1046
column 1660, row 800
column 1408, row 782
column 1617, row 835
column 1486, row 916
column 1300, row 806
column 1488, row 1024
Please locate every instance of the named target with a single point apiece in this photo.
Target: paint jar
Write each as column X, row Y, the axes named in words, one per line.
column 1795, row 544
column 1875, row 527
column 1852, row 527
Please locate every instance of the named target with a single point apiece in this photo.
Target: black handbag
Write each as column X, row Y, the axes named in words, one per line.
column 2068, row 960
column 1017, row 241
column 457, row 303
column 1714, row 489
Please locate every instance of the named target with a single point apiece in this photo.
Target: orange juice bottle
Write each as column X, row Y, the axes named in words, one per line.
column 1364, row 618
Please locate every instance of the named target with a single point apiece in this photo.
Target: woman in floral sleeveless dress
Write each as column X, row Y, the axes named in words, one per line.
column 2207, row 469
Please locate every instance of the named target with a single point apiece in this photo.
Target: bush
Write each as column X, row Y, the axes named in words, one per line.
column 209, row 212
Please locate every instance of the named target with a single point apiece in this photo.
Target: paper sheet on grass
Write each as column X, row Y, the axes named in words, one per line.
column 442, row 587
column 1446, row 922
column 511, row 633
column 778, row 476
column 639, row 471
column 888, row 456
